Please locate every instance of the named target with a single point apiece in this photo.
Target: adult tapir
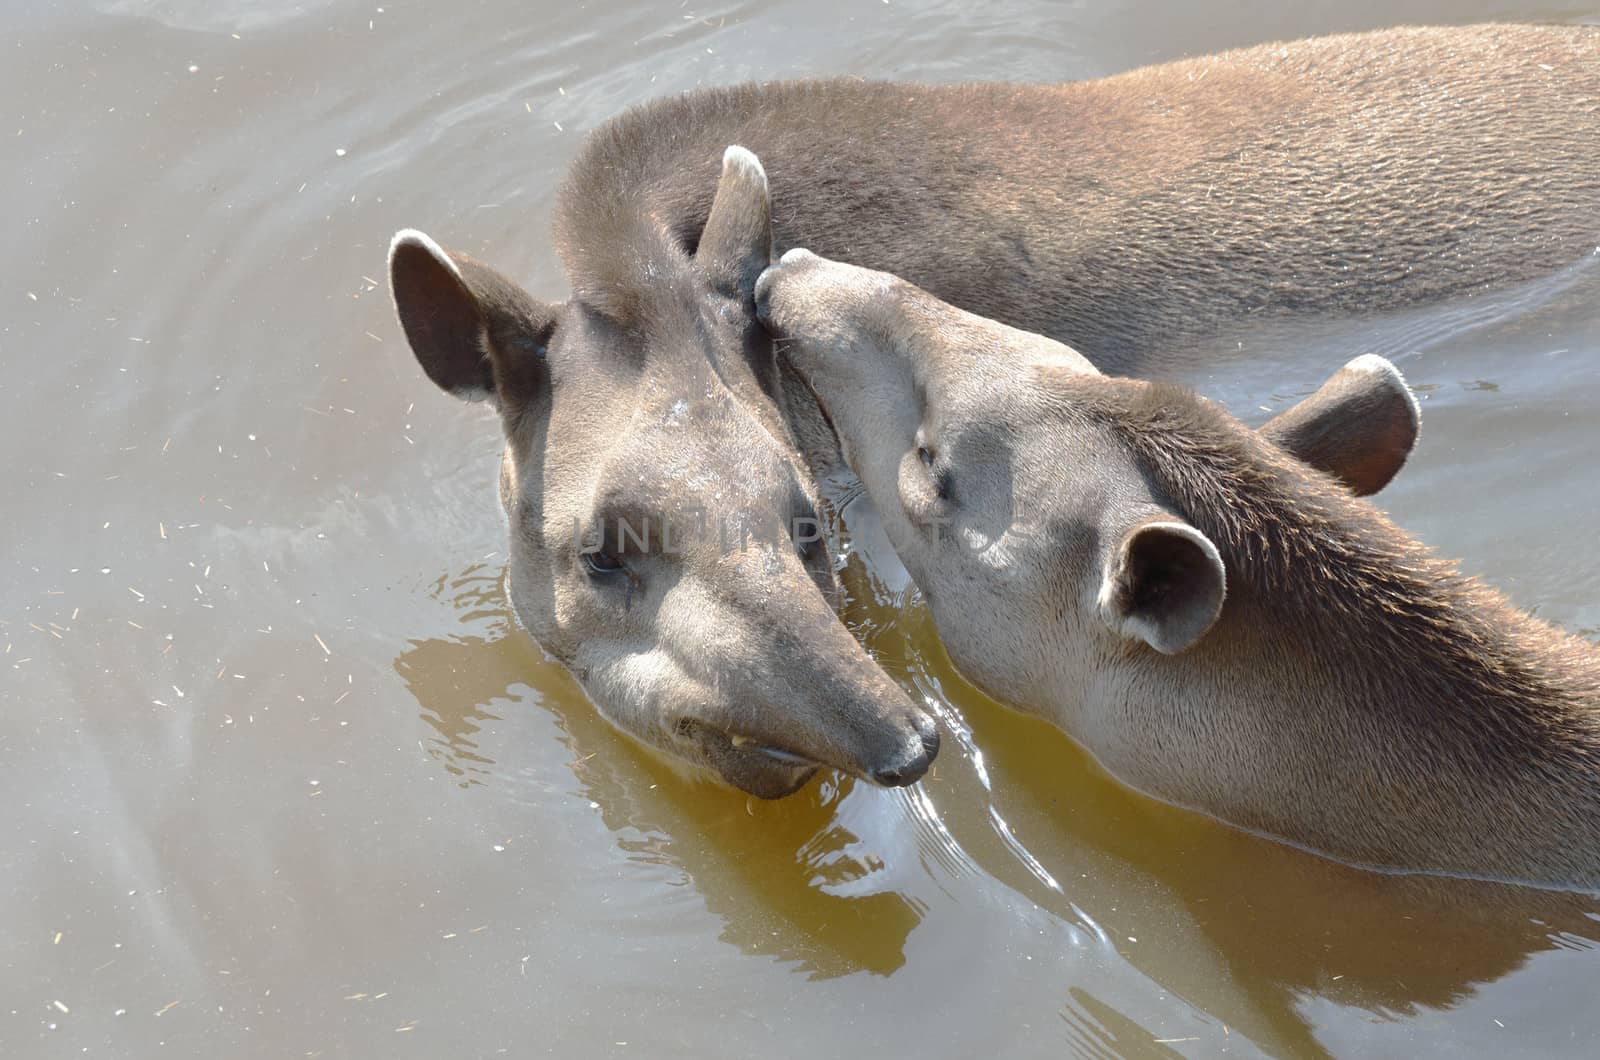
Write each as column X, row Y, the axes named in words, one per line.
column 660, row 466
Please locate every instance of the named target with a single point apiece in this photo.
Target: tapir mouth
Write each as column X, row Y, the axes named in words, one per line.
column 777, row 754
column 770, row 770
column 758, row 768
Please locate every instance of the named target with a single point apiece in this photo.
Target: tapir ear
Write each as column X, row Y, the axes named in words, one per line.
column 737, row 242
column 476, row 333
column 1163, row 584
column 1359, row 427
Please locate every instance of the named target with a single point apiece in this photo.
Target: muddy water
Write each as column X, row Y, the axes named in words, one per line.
column 280, row 778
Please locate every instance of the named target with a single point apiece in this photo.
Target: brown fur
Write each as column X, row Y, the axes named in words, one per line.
column 1341, row 174
column 1481, row 724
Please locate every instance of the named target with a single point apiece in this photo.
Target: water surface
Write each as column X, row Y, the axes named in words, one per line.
column 282, row 779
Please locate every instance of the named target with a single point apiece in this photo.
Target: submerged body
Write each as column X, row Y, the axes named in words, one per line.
column 1222, row 626
column 1369, row 171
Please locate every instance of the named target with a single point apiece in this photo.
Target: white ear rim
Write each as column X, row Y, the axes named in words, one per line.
column 743, row 161
column 1137, row 626
column 411, row 237
column 1373, row 364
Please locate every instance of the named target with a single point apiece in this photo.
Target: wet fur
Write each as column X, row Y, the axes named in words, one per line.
column 1477, row 727
column 1341, row 174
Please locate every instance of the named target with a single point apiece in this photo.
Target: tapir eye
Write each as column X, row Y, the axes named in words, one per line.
column 599, row 562
column 939, row 476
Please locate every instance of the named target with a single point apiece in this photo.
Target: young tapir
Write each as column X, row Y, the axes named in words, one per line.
column 1372, row 171
column 1220, row 625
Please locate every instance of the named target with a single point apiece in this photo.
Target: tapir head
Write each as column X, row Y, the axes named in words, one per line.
column 664, row 540
column 1042, row 544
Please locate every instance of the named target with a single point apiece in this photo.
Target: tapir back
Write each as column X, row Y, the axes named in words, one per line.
column 1356, row 172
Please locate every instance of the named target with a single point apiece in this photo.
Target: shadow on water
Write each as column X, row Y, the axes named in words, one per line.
column 801, row 880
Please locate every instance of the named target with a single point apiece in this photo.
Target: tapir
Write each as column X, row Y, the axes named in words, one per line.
column 1221, row 625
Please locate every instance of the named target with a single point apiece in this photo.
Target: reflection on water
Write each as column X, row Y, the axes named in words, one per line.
column 805, row 880
column 1293, row 925
column 278, row 787
column 457, row 693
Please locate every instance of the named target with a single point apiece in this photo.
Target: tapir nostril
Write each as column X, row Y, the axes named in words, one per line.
column 897, row 777
column 917, row 758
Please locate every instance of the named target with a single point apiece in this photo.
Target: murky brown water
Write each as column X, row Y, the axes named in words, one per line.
column 282, row 781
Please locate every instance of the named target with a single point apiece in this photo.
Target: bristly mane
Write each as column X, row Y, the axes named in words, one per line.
column 1296, row 541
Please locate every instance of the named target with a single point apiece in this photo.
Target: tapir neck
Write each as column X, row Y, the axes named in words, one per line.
column 1357, row 695
column 1352, row 742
